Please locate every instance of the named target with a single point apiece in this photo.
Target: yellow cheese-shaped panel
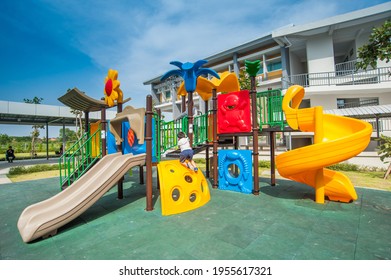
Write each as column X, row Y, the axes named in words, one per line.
column 181, row 189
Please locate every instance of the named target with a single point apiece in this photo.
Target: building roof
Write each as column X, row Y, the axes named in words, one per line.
column 30, row 114
column 379, row 111
column 247, row 51
column 340, row 21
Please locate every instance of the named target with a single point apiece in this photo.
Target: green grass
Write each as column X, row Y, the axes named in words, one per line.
column 34, row 176
column 18, row 170
column 355, row 167
column 336, row 167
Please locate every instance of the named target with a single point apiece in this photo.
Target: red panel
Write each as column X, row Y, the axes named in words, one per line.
column 234, row 112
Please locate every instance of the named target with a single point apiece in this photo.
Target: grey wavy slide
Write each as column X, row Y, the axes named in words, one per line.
column 44, row 218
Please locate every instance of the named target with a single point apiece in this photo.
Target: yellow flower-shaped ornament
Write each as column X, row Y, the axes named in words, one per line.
column 112, row 91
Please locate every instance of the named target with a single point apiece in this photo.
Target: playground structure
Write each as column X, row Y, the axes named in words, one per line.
column 140, row 137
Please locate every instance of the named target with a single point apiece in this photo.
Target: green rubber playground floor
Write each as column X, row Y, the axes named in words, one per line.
column 282, row 223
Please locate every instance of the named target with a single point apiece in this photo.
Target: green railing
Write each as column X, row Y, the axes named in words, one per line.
column 200, row 129
column 269, row 108
column 80, row 157
column 156, row 137
column 167, row 132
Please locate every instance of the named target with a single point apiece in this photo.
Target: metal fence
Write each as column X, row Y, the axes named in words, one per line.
column 269, row 108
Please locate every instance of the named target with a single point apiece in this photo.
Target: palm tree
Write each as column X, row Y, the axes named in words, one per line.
column 190, row 72
column 252, row 67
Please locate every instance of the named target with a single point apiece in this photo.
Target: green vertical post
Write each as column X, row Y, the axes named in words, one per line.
column 252, row 69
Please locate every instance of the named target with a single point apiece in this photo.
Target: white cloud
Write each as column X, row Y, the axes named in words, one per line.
column 188, row 31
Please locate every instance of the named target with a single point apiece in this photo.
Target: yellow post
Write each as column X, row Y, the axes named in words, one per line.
column 95, row 147
column 319, row 186
column 318, row 138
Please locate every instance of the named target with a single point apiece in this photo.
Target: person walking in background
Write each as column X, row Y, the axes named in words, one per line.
column 10, row 154
column 186, row 152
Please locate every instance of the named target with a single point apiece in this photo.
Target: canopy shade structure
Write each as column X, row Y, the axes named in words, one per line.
column 78, row 100
column 367, row 112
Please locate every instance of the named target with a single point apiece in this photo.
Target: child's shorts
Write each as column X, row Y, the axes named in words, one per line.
column 186, row 155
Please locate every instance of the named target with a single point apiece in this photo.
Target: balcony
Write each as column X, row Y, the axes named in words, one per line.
column 340, row 77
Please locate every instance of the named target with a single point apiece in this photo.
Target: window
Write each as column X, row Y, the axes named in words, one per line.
column 340, row 103
column 356, row 102
column 305, row 103
column 167, row 95
column 271, row 67
column 274, row 66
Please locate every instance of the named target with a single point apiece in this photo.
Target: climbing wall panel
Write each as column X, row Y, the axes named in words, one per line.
column 235, row 170
column 181, row 189
column 234, row 112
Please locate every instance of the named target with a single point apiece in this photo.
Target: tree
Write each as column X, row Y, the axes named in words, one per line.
column 35, row 100
column 384, row 150
column 4, row 139
column 379, row 47
column 79, row 122
column 35, row 133
column 244, row 80
column 70, row 135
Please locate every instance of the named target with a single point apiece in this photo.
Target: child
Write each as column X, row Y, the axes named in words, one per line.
column 186, row 152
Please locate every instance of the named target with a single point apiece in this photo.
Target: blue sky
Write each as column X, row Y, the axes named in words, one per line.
column 48, row 46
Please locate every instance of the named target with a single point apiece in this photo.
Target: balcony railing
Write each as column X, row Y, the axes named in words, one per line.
column 340, row 78
column 346, row 66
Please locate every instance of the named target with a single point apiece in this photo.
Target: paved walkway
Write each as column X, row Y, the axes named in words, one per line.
column 24, row 162
column 5, row 166
column 3, row 176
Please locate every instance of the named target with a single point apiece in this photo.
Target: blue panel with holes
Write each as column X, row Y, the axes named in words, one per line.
column 235, row 170
column 110, row 141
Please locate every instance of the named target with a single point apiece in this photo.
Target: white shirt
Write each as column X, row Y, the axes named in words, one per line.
column 184, row 144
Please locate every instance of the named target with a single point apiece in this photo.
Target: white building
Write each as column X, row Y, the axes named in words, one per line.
column 320, row 56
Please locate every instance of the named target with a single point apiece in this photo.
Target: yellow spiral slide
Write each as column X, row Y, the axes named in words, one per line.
column 336, row 139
